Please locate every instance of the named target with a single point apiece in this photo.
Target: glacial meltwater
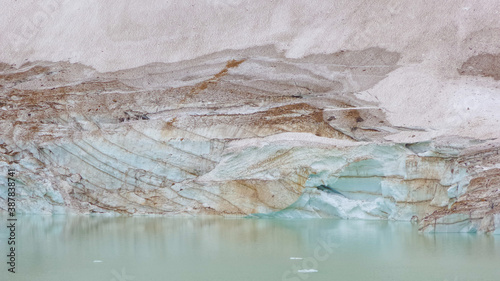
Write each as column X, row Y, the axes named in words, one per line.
column 93, row 248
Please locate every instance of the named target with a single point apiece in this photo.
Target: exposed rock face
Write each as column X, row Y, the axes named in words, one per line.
column 486, row 65
column 362, row 122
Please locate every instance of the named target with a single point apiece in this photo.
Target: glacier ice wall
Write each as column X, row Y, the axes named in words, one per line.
column 239, row 133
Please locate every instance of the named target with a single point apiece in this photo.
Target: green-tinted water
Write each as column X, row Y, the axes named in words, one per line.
column 155, row 248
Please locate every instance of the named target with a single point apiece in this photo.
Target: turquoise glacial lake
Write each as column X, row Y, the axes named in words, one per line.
column 93, row 248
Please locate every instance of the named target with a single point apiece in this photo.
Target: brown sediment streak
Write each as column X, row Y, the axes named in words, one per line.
column 204, row 85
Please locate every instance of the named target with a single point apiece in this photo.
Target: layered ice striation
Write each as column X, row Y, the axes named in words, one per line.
column 376, row 182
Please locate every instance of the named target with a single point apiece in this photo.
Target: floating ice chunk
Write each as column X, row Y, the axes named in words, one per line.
column 307, row 270
column 97, row 261
column 295, row 258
